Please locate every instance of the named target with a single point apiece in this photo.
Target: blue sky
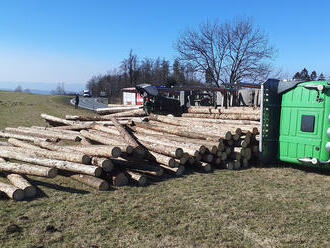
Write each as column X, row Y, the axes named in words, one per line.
column 69, row 41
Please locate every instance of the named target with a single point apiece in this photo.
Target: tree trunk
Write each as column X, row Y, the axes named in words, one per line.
column 37, row 151
column 165, row 160
column 105, row 163
column 91, row 181
column 252, row 117
column 59, row 164
column 113, row 110
column 43, row 134
column 137, row 177
column 21, row 137
column 130, row 113
column 128, row 137
column 28, row 169
column 12, row 191
column 21, row 183
column 56, row 120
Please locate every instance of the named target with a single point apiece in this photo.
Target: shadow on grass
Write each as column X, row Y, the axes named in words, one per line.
column 59, row 187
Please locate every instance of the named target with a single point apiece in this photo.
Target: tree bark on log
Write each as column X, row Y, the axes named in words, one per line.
column 28, row 169
column 221, row 110
column 105, row 163
column 37, row 151
column 251, row 117
column 43, row 134
column 21, row 137
column 130, row 113
column 21, row 183
column 165, row 160
column 57, row 120
column 128, row 137
column 12, row 192
column 113, row 110
column 91, row 181
column 137, row 177
column 59, row 164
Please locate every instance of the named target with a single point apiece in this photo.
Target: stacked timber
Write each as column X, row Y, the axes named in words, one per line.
column 119, row 147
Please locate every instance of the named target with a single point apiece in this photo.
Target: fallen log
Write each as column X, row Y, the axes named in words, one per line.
column 43, row 134
column 104, row 163
column 165, row 160
column 21, row 183
column 59, row 164
column 12, row 192
column 113, row 110
column 27, row 169
column 251, row 117
column 21, row 137
column 177, row 171
column 137, row 177
column 129, row 113
column 57, row 120
column 37, row 151
column 91, row 181
column 128, row 137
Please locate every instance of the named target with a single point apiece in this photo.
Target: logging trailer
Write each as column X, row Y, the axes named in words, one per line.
column 295, row 120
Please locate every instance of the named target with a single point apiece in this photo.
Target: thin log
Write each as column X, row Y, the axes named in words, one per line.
column 21, row 183
column 91, row 181
column 21, row 137
column 43, row 134
column 113, row 110
column 57, row 120
column 165, row 160
column 12, row 192
column 59, row 164
column 252, row 117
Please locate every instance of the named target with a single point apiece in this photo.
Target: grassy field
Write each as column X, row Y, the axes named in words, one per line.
column 257, row 207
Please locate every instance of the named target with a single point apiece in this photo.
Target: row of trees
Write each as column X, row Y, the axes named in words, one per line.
column 305, row 76
column 133, row 71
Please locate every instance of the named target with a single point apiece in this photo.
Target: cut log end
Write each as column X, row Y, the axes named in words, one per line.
column 116, row 152
column 86, row 159
column 18, row 195
column 52, row 172
column 30, row 191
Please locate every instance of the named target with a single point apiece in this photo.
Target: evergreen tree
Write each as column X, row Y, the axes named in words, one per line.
column 321, row 77
column 313, row 76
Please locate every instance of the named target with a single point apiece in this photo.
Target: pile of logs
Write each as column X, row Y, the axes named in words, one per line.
column 113, row 150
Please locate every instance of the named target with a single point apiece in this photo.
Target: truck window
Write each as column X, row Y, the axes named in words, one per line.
column 307, row 123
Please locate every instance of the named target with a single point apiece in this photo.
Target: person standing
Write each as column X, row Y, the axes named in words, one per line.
column 76, row 103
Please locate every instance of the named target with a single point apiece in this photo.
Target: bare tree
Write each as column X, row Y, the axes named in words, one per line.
column 229, row 52
column 130, row 68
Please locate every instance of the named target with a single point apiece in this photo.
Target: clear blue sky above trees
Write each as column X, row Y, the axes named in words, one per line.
column 69, row 41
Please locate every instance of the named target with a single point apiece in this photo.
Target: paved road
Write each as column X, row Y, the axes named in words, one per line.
column 89, row 103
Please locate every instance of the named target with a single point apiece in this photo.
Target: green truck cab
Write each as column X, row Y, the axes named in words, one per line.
column 295, row 122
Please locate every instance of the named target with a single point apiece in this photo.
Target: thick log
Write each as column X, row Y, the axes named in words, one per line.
column 100, row 139
column 27, row 169
column 105, row 163
column 78, row 127
column 59, row 164
column 21, row 183
column 43, row 134
column 137, row 177
column 177, row 171
column 12, row 192
column 57, row 120
column 165, row 160
column 129, row 113
column 21, row 137
column 128, row 137
column 91, row 181
column 113, row 110
column 141, row 166
column 252, row 117
column 163, row 149
column 37, row 151
column 119, row 179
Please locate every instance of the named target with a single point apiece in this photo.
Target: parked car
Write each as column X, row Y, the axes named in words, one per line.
column 86, row 93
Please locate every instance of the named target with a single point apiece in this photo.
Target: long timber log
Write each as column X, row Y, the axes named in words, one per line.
column 59, row 164
column 252, row 117
column 137, row 177
column 222, row 110
column 57, row 120
column 21, row 183
column 37, row 151
column 21, row 137
column 104, row 163
column 113, row 110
